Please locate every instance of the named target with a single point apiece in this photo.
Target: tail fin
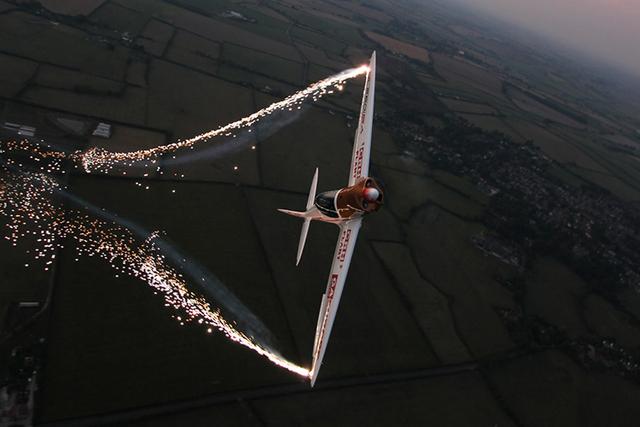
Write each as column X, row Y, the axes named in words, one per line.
column 312, row 191
column 303, row 215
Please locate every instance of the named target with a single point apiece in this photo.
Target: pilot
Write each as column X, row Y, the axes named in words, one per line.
column 370, row 194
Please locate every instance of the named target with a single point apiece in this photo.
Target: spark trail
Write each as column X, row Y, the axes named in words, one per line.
column 28, row 201
column 101, row 160
column 28, row 193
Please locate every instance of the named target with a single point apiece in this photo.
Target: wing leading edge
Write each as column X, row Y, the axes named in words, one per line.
column 331, row 298
column 362, row 140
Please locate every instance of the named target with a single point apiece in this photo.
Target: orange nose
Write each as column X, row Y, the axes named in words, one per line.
column 371, row 194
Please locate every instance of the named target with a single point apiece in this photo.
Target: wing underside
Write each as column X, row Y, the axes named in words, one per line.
column 362, row 141
column 331, row 298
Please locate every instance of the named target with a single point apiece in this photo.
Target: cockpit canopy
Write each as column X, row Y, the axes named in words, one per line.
column 326, row 203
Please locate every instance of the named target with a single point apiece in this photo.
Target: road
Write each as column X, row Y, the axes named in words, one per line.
column 260, row 393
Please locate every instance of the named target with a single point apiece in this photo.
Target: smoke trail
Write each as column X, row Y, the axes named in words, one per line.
column 199, row 275
column 98, row 159
column 27, row 201
column 229, row 145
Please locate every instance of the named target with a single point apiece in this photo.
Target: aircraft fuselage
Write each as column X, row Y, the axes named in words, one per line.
column 336, row 206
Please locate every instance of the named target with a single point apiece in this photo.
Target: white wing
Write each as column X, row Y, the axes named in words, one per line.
column 362, row 140
column 331, row 298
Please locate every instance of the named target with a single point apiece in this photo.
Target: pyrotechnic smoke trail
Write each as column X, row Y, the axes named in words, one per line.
column 27, row 201
column 262, row 129
column 98, row 159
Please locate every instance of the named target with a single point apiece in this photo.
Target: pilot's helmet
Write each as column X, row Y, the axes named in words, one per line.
column 371, row 194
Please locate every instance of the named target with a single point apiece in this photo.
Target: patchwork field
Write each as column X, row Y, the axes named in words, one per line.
column 421, row 335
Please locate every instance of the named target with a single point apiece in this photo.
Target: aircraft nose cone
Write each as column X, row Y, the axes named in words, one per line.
column 371, row 194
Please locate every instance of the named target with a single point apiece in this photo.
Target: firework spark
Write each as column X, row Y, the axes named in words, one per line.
column 28, row 193
column 28, row 201
column 98, row 159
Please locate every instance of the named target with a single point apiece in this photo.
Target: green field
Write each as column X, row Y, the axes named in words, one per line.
column 421, row 337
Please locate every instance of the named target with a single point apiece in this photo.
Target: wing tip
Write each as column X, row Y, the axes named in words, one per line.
column 313, row 374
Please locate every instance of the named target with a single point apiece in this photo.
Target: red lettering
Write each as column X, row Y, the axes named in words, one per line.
column 332, row 289
column 357, row 167
column 342, row 249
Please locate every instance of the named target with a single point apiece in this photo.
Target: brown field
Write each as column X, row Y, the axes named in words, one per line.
column 397, row 46
column 194, row 51
column 72, row 7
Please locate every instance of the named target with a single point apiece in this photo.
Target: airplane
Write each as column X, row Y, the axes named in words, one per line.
column 344, row 207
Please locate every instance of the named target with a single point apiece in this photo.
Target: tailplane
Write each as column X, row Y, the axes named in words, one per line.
column 307, row 216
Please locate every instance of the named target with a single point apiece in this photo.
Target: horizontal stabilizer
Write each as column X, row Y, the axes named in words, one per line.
column 312, row 191
column 293, row 213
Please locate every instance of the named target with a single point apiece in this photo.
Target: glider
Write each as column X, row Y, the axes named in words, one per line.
column 345, row 208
